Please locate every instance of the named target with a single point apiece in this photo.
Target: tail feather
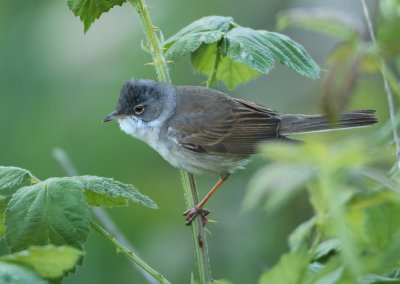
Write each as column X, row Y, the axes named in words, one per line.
column 301, row 123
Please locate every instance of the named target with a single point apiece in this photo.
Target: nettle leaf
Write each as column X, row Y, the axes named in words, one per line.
column 101, row 191
column 229, row 71
column 269, row 187
column 49, row 261
column 243, row 53
column 302, row 232
column 16, row 274
column 205, row 30
column 326, row 248
column 325, row 20
column 3, row 208
column 374, row 230
column 51, row 212
column 90, row 10
column 290, row 268
column 12, row 178
column 247, row 46
column 259, row 49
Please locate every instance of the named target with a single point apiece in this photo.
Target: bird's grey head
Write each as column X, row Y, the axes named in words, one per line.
column 146, row 100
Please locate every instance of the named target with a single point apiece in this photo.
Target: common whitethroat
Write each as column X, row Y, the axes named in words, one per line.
column 204, row 131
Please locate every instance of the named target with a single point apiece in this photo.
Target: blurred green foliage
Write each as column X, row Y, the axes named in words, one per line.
column 57, row 85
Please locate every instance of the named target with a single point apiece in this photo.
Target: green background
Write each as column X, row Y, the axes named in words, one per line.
column 57, row 84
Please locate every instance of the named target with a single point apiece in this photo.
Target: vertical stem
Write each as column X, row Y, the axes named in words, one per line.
column 385, row 83
column 189, row 185
column 198, row 232
column 148, row 28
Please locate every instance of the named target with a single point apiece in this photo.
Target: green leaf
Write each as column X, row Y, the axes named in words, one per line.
column 374, row 230
column 17, row 274
column 259, row 49
column 326, row 248
column 230, row 72
column 3, row 208
column 300, row 235
column 329, row 273
column 269, row 186
column 103, row 200
column 12, row 178
column 109, row 192
column 341, row 79
column 247, row 46
column 90, row 10
column 289, row 269
column 49, row 261
column 291, row 54
column 375, row 279
column 205, row 30
column 328, row 21
column 51, row 212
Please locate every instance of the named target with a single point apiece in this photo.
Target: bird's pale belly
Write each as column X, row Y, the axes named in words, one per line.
column 201, row 163
column 179, row 157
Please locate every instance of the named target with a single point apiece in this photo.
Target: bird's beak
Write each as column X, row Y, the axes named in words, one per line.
column 112, row 116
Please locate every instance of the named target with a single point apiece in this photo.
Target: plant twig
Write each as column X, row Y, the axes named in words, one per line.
column 385, row 83
column 100, row 213
column 121, row 248
column 156, row 49
column 198, row 232
column 189, row 185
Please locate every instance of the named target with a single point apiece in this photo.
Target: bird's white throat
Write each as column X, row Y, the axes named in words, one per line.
column 147, row 131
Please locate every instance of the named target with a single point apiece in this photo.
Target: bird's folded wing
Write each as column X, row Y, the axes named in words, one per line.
column 235, row 128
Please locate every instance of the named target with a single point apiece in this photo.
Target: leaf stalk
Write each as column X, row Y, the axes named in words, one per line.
column 121, row 248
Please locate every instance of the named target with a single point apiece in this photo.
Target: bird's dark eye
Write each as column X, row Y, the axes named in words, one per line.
column 138, row 109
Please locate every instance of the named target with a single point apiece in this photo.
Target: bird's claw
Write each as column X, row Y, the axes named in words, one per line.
column 191, row 214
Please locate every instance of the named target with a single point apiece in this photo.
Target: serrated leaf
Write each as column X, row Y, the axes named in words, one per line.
column 205, row 30
column 229, row 71
column 17, row 274
column 90, row 10
column 329, row 21
column 112, row 192
column 289, row 269
column 270, row 187
column 375, row 279
column 103, row 200
column 291, row 54
column 326, row 248
column 3, row 208
column 301, row 233
column 12, row 178
column 51, row 212
column 245, row 45
column 49, row 261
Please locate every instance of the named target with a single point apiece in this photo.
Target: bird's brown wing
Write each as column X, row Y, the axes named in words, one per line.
column 222, row 125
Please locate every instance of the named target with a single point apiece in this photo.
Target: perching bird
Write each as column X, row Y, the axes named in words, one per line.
column 204, row 131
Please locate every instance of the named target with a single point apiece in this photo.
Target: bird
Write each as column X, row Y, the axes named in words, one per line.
column 205, row 131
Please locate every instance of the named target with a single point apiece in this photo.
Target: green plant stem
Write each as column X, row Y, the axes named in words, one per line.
column 148, row 28
column 383, row 69
column 198, row 232
column 189, row 185
column 213, row 73
column 128, row 253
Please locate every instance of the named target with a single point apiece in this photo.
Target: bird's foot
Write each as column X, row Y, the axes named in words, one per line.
column 191, row 214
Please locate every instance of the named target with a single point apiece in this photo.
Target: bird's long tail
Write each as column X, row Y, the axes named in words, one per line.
column 301, row 123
